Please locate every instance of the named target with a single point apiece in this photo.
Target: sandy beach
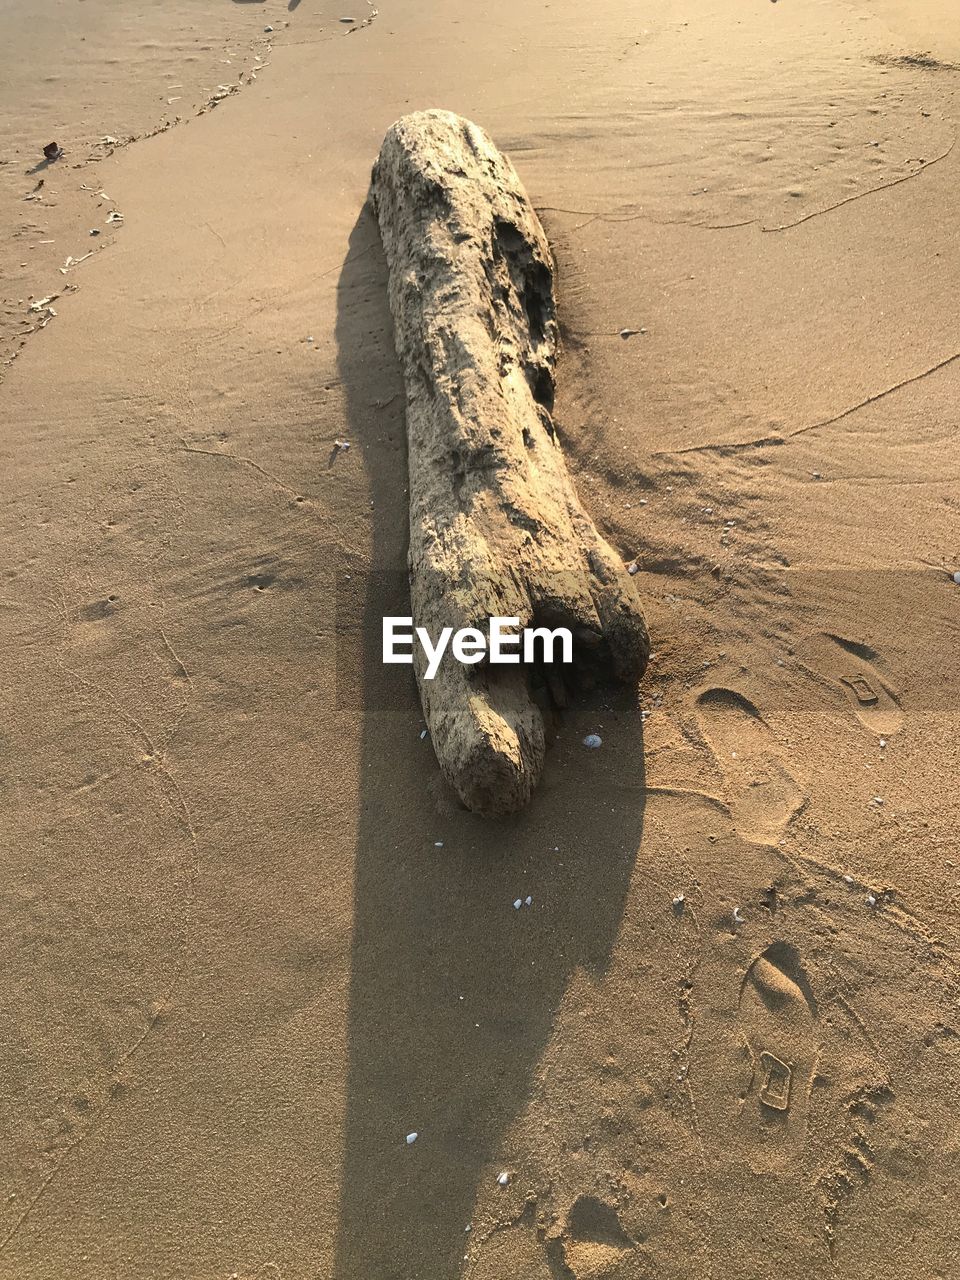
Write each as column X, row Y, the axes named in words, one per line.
column 251, row 940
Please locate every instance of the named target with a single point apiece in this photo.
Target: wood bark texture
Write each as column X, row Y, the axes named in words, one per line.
column 496, row 528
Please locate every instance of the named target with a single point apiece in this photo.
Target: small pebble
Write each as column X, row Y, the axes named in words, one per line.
column 528, row 901
column 678, row 902
column 848, row 879
column 871, row 900
column 883, row 742
column 633, row 568
column 438, row 844
column 503, row 1179
column 518, row 904
column 411, row 1138
column 268, row 28
column 593, row 741
column 956, row 577
column 423, row 734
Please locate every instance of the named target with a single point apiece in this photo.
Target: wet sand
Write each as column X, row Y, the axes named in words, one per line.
column 240, row 966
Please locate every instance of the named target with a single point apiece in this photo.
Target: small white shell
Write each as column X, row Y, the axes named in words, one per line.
column 528, row 901
column 593, row 740
column 411, row 1138
column 504, row 1179
column 518, row 904
column 678, row 902
column 738, row 916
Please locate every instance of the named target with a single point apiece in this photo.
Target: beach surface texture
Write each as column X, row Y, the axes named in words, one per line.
column 276, row 1006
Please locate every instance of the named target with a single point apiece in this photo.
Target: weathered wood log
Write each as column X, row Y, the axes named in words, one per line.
column 496, row 528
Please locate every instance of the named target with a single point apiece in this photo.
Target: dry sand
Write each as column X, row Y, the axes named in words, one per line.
column 239, row 966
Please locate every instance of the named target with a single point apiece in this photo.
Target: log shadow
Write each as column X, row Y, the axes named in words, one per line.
column 453, row 991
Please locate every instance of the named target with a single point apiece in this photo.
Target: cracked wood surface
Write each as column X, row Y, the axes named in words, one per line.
column 496, row 528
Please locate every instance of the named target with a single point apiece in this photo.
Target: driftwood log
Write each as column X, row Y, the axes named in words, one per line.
column 496, row 528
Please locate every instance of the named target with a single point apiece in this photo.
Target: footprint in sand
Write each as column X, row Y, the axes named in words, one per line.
column 593, row 1243
column 851, row 665
column 762, row 793
column 789, row 1093
column 778, row 1016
